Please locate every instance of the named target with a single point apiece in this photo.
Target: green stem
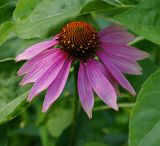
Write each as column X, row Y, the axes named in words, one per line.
column 121, row 105
column 75, row 107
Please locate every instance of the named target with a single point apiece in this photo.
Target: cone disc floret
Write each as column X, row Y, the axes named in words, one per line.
column 79, row 40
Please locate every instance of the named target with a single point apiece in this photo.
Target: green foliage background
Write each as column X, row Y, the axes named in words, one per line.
column 26, row 22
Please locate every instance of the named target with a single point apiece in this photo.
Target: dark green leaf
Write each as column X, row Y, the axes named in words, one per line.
column 129, row 2
column 3, row 135
column 6, row 9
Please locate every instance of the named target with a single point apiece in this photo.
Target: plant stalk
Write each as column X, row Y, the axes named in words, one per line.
column 75, row 108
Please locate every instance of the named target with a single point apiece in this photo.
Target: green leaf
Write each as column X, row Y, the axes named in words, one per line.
column 12, row 96
column 6, row 9
column 13, row 108
column 24, row 8
column 144, row 20
column 47, row 15
column 145, row 121
column 61, row 119
column 129, row 2
column 92, row 143
column 14, row 46
column 6, row 30
column 52, row 15
column 96, row 5
column 137, row 81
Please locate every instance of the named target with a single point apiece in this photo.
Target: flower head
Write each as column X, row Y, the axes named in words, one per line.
column 79, row 40
column 48, row 66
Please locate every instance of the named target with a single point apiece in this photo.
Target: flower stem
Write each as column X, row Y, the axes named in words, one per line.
column 75, row 107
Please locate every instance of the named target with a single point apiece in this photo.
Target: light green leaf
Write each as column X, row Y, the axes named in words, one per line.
column 96, row 5
column 145, row 119
column 61, row 119
column 6, row 30
column 144, row 19
column 24, row 8
column 49, row 16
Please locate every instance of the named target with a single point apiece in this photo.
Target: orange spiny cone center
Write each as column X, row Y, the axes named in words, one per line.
column 79, row 40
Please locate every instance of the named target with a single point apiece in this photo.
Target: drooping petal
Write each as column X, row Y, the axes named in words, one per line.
column 85, row 90
column 44, row 82
column 57, row 86
column 36, row 49
column 38, row 72
column 111, row 29
column 100, row 84
column 125, row 65
column 39, row 61
column 124, row 51
column 117, row 38
column 109, row 76
column 115, row 72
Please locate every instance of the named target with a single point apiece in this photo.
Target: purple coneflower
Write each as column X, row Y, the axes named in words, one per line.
column 103, row 56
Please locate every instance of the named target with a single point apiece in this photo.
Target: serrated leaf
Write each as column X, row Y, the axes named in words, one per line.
column 144, row 19
column 145, row 119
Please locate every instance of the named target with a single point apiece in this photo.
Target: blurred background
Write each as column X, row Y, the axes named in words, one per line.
column 23, row 23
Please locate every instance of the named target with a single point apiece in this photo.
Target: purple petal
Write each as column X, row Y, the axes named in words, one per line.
column 115, row 72
column 124, row 51
column 85, row 90
column 36, row 49
column 38, row 72
column 100, row 84
column 111, row 29
column 117, row 38
column 108, row 75
column 43, row 82
column 57, row 86
column 39, row 61
column 125, row 65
